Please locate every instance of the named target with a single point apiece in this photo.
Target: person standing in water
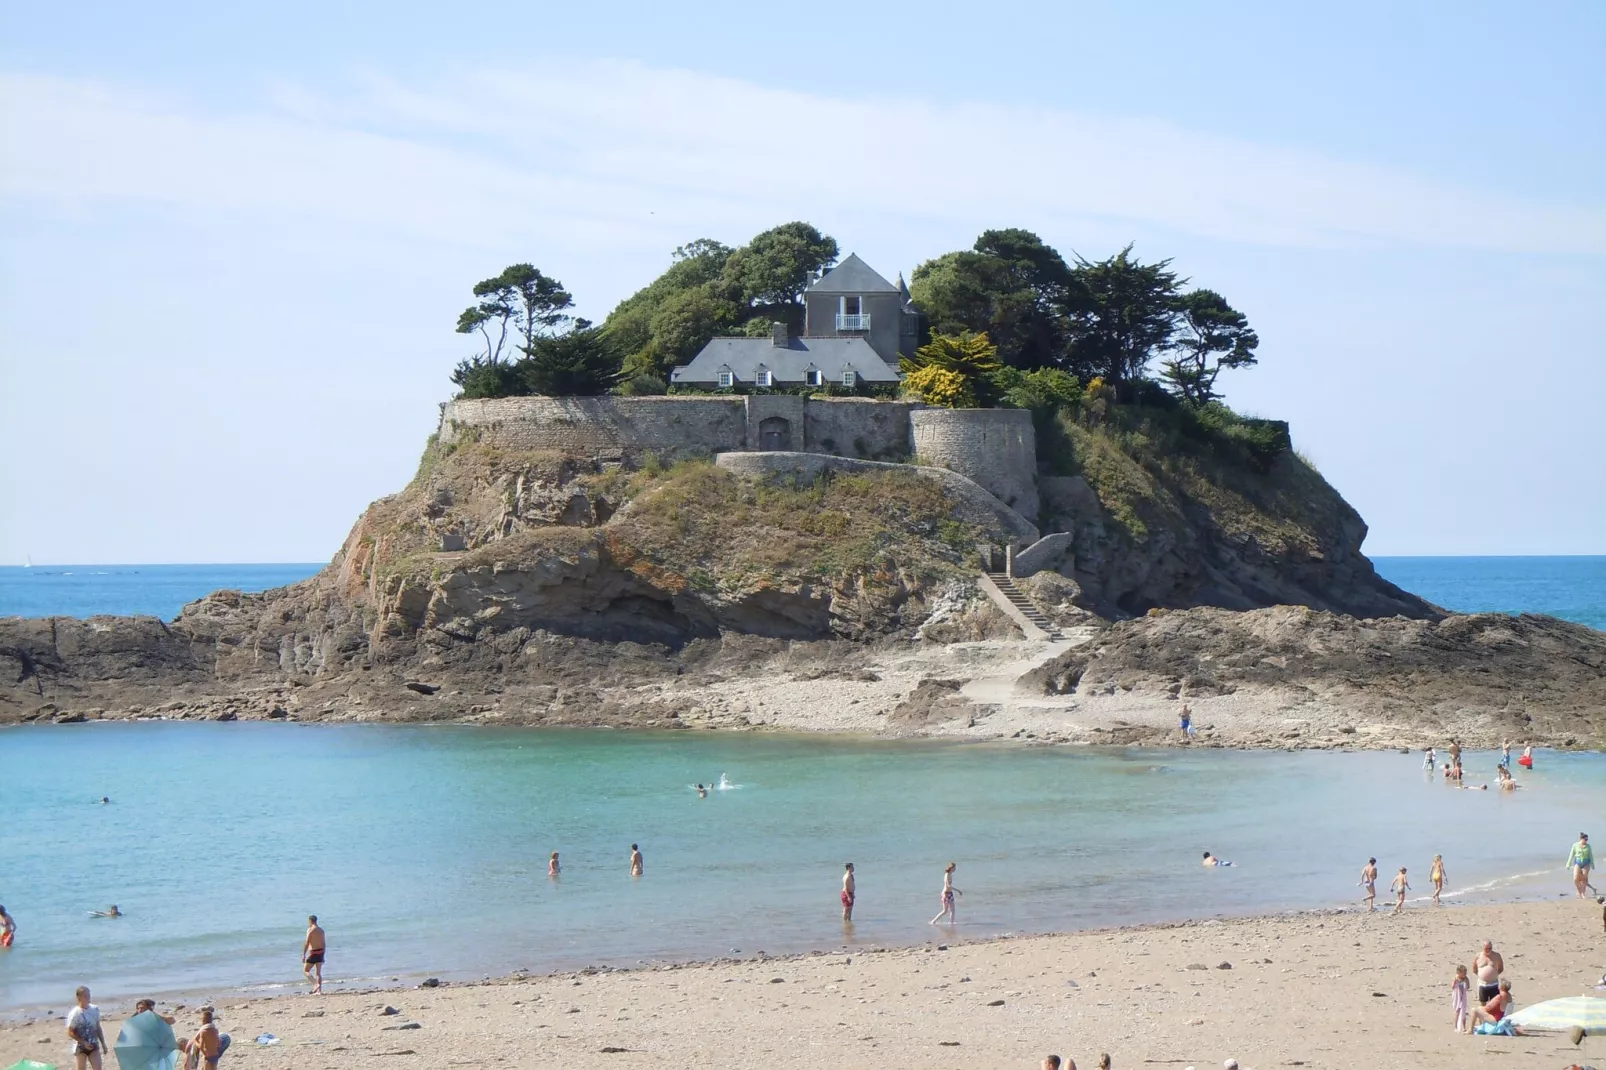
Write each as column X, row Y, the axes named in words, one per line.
column 1505, row 752
column 1369, row 882
column 1429, row 759
column 8, row 928
column 552, row 867
column 1582, row 859
column 948, row 894
column 313, row 949
column 1436, row 875
column 636, row 867
column 849, row 891
column 1399, row 886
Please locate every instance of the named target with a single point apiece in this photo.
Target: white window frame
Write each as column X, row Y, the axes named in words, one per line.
column 814, row 377
column 842, row 305
column 765, row 377
column 725, row 378
column 849, row 377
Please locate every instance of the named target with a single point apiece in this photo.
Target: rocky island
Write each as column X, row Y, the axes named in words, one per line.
column 974, row 550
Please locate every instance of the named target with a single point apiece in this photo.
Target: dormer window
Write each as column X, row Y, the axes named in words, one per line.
column 849, row 377
column 764, row 377
column 725, row 378
column 814, row 376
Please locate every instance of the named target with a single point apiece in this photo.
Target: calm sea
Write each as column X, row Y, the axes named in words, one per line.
column 1573, row 588
column 423, row 849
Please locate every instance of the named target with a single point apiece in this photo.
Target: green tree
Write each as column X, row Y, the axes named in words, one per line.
column 1123, row 312
column 520, row 299
column 1211, row 336
column 1011, row 285
column 969, row 355
column 580, row 362
column 482, row 377
column 767, row 276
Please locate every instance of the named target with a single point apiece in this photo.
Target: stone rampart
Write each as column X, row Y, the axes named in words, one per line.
column 995, row 448
column 602, row 426
column 859, row 427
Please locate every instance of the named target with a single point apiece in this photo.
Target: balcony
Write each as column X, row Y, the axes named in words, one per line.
column 845, row 322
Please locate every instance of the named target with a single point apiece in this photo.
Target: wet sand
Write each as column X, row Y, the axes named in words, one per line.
column 1328, row 991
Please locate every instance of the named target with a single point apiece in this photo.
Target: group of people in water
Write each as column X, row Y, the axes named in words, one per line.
column 1454, row 775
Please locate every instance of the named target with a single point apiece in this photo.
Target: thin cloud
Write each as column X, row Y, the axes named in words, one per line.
column 618, row 152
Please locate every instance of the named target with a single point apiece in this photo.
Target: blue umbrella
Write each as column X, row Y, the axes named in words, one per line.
column 146, row 1042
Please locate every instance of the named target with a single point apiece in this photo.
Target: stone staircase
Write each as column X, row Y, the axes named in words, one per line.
column 1023, row 608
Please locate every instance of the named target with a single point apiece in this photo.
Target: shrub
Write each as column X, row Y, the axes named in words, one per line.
column 939, row 386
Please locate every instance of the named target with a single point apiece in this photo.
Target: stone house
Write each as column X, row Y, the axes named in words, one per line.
column 856, row 325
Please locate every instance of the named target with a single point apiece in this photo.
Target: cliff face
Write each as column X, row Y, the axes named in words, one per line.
column 502, row 576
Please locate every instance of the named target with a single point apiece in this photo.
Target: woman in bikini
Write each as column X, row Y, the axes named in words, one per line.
column 1437, row 877
column 948, row 894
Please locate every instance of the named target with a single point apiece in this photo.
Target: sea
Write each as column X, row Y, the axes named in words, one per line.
column 424, row 849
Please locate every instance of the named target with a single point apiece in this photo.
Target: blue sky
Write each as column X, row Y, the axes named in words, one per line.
column 236, row 237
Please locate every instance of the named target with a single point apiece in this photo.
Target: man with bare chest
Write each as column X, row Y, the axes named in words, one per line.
column 1488, row 966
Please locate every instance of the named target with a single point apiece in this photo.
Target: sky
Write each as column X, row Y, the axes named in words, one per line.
column 235, row 238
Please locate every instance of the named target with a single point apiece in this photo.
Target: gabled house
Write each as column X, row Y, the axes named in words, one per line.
column 856, row 325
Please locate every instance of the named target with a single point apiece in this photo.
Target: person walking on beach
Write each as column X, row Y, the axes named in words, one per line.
column 849, row 891
column 8, row 928
column 1582, row 859
column 1369, row 882
column 1436, row 875
column 312, row 952
column 948, row 894
column 1488, row 966
column 552, row 867
column 1399, row 886
column 1186, row 718
column 83, row 1026
column 636, row 867
column 1458, row 998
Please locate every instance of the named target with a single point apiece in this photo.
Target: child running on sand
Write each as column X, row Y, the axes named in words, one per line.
column 1436, row 875
column 1458, row 998
column 1400, row 886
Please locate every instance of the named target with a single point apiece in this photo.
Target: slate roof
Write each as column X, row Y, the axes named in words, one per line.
column 745, row 356
column 852, row 276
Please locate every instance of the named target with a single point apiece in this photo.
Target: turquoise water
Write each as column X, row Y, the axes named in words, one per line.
column 126, row 590
column 1573, row 588
column 423, row 849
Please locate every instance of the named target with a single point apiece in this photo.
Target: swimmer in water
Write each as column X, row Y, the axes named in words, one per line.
column 1212, row 860
column 109, row 912
column 552, row 867
column 636, row 866
column 702, row 792
column 104, row 800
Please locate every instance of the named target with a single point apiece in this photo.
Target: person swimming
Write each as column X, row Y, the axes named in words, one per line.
column 1212, row 860
column 109, row 912
column 702, row 792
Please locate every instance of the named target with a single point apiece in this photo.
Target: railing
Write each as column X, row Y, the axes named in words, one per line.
column 852, row 323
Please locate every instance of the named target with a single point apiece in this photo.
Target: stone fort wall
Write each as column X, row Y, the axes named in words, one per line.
column 994, row 448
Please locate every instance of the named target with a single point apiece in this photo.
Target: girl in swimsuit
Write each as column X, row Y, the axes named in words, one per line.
column 948, row 893
column 552, row 867
column 1437, row 876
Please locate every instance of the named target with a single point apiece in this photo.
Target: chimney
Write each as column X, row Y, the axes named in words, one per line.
column 778, row 335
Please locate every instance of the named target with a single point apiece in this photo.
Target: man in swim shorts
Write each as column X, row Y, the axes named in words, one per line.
column 849, row 888
column 1369, row 882
column 1487, row 967
column 312, row 952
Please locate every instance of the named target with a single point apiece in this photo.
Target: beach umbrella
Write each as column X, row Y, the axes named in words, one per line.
column 1560, row 1015
column 146, row 1042
column 29, row 1064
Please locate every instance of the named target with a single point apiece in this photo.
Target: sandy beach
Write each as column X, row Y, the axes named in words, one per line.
column 1329, row 991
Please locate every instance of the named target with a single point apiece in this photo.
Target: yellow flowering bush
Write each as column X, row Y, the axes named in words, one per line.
column 939, row 386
